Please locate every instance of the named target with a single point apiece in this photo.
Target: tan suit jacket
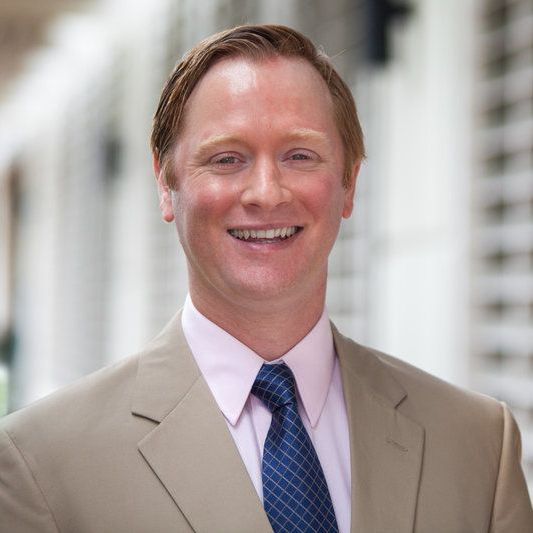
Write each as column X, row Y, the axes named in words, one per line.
column 142, row 447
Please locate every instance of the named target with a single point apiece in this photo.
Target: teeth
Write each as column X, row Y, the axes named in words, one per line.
column 274, row 233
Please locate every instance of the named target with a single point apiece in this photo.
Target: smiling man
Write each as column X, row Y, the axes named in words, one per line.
column 250, row 412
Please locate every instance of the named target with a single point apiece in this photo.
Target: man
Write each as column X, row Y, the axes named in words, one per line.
column 250, row 412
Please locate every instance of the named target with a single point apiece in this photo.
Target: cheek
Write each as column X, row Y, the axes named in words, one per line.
column 326, row 198
column 203, row 204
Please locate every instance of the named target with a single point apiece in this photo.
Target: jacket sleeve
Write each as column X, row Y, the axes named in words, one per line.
column 23, row 507
column 512, row 509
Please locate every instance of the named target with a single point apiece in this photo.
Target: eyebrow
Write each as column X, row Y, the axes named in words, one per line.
column 299, row 134
column 207, row 146
column 306, row 134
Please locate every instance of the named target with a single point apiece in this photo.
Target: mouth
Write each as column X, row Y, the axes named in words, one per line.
column 265, row 236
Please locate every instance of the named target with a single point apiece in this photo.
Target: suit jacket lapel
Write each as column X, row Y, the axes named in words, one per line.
column 386, row 446
column 191, row 450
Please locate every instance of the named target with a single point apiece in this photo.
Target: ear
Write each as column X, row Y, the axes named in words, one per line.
column 165, row 197
column 349, row 192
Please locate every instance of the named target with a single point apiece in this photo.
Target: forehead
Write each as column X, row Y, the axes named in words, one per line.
column 264, row 89
column 242, row 70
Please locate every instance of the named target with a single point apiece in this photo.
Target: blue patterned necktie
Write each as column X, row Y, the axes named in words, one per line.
column 295, row 492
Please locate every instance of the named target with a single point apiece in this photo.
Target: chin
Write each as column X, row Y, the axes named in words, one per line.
column 266, row 285
column 264, row 291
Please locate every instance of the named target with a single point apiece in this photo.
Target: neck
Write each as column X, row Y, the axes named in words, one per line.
column 270, row 329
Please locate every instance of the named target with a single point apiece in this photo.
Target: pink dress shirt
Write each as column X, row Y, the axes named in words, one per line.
column 230, row 368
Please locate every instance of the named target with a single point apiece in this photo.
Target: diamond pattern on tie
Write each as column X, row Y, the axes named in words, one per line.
column 295, row 492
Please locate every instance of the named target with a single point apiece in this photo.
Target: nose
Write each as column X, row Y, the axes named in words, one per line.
column 264, row 187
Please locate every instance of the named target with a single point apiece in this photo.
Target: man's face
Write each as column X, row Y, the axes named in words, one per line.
column 259, row 195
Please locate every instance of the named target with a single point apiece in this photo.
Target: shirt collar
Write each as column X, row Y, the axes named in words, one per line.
column 230, row 367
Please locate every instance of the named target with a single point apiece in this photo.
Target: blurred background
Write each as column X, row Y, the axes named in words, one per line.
column 436, row 266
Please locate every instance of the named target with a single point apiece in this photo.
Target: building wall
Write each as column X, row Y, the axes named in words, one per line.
column 502, row 222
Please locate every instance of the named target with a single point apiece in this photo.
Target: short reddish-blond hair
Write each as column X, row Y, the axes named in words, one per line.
column 256, row 42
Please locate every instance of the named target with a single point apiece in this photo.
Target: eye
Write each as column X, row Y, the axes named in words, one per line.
column 225, row 160
column 300, row 156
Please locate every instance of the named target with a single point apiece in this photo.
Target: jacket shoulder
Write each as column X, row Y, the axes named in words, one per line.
column 84, row 401
column 422, row 396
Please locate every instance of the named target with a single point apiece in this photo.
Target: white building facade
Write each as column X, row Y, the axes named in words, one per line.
column 435, row 266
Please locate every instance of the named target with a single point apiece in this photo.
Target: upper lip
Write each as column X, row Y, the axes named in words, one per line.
column 258, row 227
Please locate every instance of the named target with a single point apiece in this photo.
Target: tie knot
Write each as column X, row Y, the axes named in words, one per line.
column 275, row 386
